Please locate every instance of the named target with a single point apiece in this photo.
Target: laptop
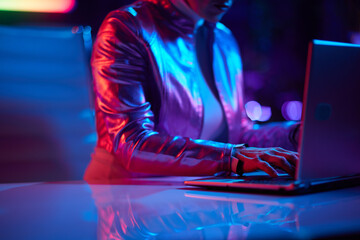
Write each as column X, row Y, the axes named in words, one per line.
column 329, row 144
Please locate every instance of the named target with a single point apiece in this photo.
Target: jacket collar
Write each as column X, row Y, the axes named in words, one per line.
column 184, row 8
column 180, row 16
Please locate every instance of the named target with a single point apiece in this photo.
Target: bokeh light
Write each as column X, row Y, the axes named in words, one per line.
column 256, row 112
column 291, row 110
column 265, row 113
column 253, row 110
column 52, row 6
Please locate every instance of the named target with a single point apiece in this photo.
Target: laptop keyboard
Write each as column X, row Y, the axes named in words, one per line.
column 261, row 180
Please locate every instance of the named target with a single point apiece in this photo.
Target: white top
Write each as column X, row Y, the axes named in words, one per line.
column 214, row 122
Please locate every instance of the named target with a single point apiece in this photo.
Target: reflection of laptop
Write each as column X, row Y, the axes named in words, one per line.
column 330, row 140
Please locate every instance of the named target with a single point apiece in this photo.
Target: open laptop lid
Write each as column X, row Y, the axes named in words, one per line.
column 330, row 140
column 330, row 137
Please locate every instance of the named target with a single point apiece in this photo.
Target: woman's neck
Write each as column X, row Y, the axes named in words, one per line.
column 185, row 9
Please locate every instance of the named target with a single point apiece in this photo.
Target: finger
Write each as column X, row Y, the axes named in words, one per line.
column 249, row 164
column 280, row 149
column 234, row 163
column 292, row 157
column 242, row 155
column 279, row 161
column 262, row 165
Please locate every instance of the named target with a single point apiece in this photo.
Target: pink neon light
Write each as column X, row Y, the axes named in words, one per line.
column 53, row 6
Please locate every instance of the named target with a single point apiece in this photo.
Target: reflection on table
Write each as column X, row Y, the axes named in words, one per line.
column 163, row 208
column 133, row 212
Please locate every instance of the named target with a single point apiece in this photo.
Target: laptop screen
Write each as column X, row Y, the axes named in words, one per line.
column 331, row 132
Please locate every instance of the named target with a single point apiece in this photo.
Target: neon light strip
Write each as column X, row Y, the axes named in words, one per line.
column 51, row 6
column 331, row 43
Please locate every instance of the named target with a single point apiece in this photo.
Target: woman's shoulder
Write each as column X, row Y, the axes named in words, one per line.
column 134, row 19
column 225, row 35
column 223, row 31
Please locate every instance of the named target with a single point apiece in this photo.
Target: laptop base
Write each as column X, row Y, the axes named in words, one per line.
column 286, row 187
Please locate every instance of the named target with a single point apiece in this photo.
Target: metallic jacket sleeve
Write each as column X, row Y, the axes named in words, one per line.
column 277, row 134
column 119, row 65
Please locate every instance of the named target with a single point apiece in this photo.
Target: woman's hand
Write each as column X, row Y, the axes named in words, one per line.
column 265, row 159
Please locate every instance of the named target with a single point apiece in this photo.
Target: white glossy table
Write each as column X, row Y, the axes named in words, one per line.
column 163, row 208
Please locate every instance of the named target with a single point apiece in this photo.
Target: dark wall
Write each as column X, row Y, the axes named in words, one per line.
column 273, row 36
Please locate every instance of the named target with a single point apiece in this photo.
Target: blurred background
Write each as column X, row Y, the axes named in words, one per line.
column 47, row 129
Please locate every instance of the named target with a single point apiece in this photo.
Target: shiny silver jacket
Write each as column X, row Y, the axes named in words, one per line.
column 149, row 113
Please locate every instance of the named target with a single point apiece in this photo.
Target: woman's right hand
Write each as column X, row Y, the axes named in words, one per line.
column 265, row 159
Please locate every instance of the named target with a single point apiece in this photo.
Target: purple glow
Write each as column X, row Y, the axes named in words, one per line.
column 355, row 38
column 253, row 110
column 256, row 112
column 265, row 113
column 254, row 80
column 291, row 110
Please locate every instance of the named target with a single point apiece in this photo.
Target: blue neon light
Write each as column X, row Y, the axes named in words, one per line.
column 331, row 43
column 132, row 11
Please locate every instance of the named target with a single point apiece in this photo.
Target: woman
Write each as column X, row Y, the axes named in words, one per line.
column 169, row 101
